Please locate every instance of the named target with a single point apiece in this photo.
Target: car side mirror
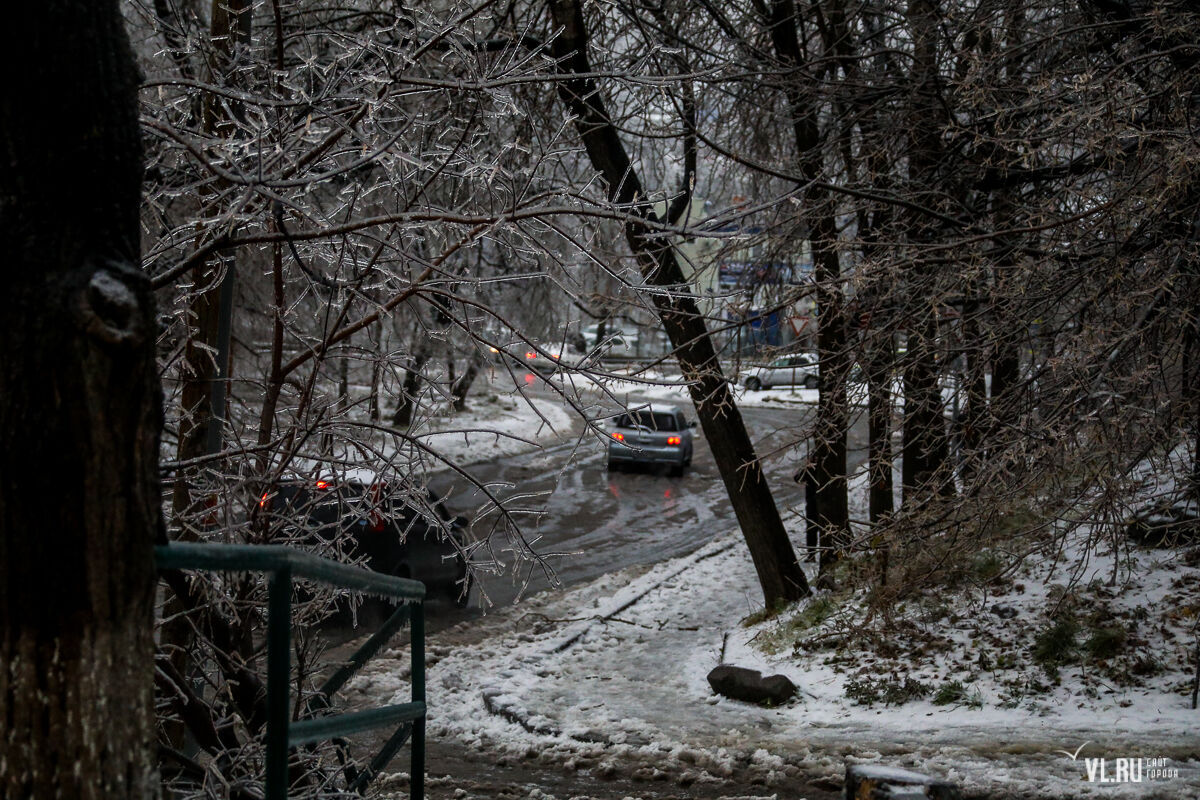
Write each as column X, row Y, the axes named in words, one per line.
column 692, row 424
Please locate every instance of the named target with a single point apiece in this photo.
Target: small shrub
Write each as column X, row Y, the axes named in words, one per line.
column 1145, row 665
column 1104, row 643
column 1056, row 644
column 764, row 614
column 817, row 611
column 788, row 632
column 1006, row 660
column 954, row 693
column 987, row 566
column 951, row 692
column 892, row 691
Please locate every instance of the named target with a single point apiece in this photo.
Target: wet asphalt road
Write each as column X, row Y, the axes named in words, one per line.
column 586, row 521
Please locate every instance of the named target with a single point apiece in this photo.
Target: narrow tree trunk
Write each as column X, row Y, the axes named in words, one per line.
column 412, row 381
column 201, row 396
column 879, row 429
column 779, row 572
column 462, row 387
column 79, row 415
column 379, row 344
column 972, row 423
column 926, row 454
column 829, row 439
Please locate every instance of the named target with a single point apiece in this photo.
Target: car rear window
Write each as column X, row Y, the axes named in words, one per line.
column 645, row 419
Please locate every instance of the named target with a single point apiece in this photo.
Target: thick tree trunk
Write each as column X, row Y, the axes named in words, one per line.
column 79, row 415
column 779, row 572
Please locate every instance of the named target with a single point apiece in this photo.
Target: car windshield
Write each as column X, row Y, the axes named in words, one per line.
column 645, row 419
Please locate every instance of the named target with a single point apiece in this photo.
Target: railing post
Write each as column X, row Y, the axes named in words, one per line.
column 417, row 769
column 279, row 668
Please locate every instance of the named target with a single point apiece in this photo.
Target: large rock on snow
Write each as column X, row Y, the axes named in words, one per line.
column 739, row 683
column 873, row 782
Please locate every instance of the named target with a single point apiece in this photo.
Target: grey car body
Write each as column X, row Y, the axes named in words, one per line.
column 651, row 435
column 794, row 370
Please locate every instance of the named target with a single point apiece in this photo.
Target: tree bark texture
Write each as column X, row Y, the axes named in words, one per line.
column 925, row 472
column 80, row 414
column 779, row 572
column 828, row 458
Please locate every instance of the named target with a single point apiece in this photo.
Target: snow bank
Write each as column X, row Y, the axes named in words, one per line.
column 614, row 673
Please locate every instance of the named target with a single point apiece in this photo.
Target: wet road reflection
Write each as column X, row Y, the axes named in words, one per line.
column 586, row 521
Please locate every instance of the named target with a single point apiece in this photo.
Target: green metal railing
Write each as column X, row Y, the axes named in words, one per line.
column 283, row 564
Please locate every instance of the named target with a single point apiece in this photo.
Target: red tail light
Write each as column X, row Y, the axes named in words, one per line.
column 672, row 440
column 620, row 437
column 265, row 500
column 323, row 485
column 531, row 355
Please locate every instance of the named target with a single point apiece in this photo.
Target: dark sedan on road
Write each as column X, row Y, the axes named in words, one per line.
column 651, row 435
column 396, row 533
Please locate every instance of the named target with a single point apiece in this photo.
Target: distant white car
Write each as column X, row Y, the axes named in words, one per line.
column 793, row 370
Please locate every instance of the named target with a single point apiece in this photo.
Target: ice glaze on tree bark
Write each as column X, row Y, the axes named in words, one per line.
column 779, row 572
column 79, row 414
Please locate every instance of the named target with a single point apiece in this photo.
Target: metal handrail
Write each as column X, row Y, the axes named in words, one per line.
column 283, row 564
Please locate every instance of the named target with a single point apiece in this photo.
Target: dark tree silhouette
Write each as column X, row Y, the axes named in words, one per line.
column 79, row 414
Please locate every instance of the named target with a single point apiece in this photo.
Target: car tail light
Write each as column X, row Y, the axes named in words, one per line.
column 672, row 440
column 323, row 485
column 265, row 500
column 530, row 355
column 620, row 437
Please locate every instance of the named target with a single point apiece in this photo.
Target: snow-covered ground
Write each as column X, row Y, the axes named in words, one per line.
column 612, row 676
column 496, row 425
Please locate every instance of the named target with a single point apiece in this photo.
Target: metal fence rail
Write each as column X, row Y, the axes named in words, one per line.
column 284, row 564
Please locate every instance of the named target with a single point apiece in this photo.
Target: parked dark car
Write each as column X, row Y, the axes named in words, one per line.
column 396, row 533
column 651, row 435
